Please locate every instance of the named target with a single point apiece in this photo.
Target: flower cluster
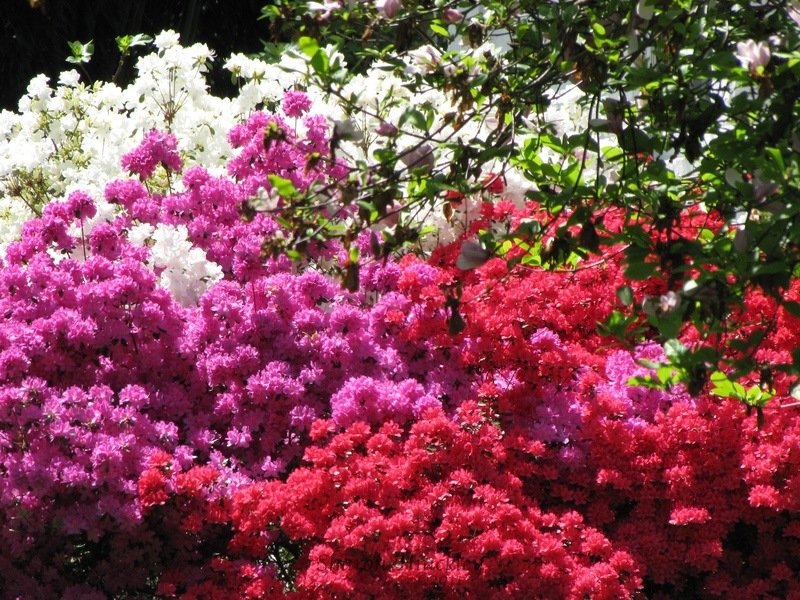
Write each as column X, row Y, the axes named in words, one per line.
column 629, row 490
column 183, row 414
column 71, row 136
column 657, row 506
column 156, row 149
column 398, row 513
column 157, row 337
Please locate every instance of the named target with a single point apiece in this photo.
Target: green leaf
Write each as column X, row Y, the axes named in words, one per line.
column 649, row 364
column 308, row 46
column 776, row 155
column 669, row 325
column 648, row 381
column 553, row 143
column 625, row 295
column 635, row 141
column 436, row 28
column 571, row 175
column 667, row 374
column 639, row 271
column 772, row 268
column 126, row 42
column 491, row 153
column 616, row 324
column 415, row 117
column 293, row 254
column 81, row 53
column 757, row 397
column 675, row 351
column 284, row 186
column 726, row 388
column 320, row 62
column 752, row 341
column 793, row 308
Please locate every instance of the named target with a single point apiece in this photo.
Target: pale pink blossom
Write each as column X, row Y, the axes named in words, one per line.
column 793, row 10
column 753, row 55
column 424, row 60
column 325, row 8
column 390, row 8
column 451, row 16
column 387, row 129
column 420, row 157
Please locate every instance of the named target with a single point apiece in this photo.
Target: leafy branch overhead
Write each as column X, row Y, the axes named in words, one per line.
column 657, row 114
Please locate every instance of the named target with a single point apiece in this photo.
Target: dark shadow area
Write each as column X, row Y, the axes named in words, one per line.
column 34, row 36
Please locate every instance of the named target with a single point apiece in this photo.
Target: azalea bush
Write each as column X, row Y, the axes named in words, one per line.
column 244, row 426
column 648, row 492
column 409, row 317
column 643, row 107
column 114, row 334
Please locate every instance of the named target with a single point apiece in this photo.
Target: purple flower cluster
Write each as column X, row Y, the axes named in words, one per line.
column 269, row 146
column 295, row 104
column 158, row 148
column 641, row 404
column 101, row 370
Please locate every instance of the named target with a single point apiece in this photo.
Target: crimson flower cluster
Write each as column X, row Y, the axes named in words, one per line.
column 435, row 510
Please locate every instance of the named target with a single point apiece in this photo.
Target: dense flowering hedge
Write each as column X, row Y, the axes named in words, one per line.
column 644, row 493
column 184, row 415
column 103, row 368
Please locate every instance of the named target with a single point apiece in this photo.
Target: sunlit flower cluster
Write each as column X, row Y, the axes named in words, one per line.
column 185, row 413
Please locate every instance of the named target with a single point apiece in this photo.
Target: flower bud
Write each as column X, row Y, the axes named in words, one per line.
column 390, row 8
column 451, row 16
column 387, row 129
